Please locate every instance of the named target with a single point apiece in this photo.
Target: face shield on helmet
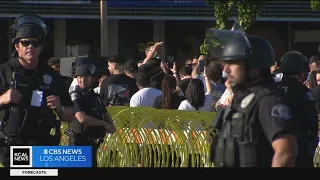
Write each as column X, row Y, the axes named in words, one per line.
column 242, row 52
column 226, row 45
column 28, row 26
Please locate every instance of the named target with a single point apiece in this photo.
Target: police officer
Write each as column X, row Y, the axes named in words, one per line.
column 294, row 66
column 92, row 119
column 99, row 62
column 254, row 131
column 30, row 90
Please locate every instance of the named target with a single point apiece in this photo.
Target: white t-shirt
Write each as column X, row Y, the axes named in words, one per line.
column 97, row 90
column 227, row 93
column 185, row 105
column 145, row 97
column 73, row 85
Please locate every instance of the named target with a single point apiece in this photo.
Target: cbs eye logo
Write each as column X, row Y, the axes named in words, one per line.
column 20, row 156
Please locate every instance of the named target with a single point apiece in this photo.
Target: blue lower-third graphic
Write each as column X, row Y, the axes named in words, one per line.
column 62, row 156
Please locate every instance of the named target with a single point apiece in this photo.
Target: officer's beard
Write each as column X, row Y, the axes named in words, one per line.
column 236, row 86
column 243, row 78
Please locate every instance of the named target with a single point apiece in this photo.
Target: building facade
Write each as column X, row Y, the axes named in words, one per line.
column 180, row 24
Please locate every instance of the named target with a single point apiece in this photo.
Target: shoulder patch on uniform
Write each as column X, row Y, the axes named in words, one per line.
column 309, row 96
column 246, row 101
column 74, row 96
column 281, row 111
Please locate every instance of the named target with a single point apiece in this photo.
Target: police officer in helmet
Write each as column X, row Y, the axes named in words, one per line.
column 254, row 131
column 30, row 90
column 294, row 66
column 92, row 119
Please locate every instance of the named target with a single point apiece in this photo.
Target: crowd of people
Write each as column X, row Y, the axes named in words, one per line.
column 200, row 84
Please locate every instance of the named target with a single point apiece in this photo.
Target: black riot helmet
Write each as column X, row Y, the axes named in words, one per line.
column 28, row 26
column 226, row 45
column 80, row 60
column 84, row 67
column 294, row 61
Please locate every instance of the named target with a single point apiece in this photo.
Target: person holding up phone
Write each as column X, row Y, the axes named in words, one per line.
column 152, row 51
column 196, row 68
column 213, row 69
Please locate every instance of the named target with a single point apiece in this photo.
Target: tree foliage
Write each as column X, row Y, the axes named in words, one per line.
column 315, row 5
column 248, row 11
column 222, row 11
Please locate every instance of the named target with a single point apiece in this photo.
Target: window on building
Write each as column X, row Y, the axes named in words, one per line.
column 131, row 34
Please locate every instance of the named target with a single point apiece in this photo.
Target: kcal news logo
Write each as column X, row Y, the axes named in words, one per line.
column 21, row 156
column 50, row 156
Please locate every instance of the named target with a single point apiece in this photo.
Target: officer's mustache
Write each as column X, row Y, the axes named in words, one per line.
column 230, row 78
column 235, row 85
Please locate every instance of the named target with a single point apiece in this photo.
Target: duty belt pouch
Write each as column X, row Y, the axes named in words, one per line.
column 230, row 151
column 220, row 153
column 247, row 153
column 16, row 120
column 213, row 146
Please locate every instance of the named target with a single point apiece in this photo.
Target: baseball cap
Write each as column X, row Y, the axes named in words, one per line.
column 130, row 66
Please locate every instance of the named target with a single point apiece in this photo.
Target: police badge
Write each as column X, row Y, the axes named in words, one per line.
column 47, row 79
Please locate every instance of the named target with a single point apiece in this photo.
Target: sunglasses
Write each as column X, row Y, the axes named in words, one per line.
column 33, row 43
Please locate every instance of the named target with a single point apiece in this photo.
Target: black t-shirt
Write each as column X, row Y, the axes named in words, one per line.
column 43, row 79
column 120, row 84
column 183, row 84
column 176, row 100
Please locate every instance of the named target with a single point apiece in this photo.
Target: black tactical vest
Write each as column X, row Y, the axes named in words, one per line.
column 235, row 143
column 95, row 108
column 17, row 116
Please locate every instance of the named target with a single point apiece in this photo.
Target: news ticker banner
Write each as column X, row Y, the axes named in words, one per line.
column 50, row 156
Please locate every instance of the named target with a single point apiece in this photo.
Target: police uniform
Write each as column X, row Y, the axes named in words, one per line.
column 258, row 113
column 87, row 101
column 269, row 116
column 29, row 122
column 303, row 103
